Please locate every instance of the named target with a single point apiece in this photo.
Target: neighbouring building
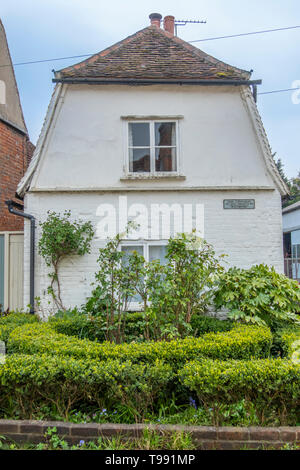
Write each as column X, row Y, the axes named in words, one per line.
column 156, row 130
column 291, row 239
column 15, row 153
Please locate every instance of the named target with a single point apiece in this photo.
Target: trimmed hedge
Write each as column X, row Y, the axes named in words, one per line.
column 18, row 319
column 79, row 325
column 202, row 325
column 268, row 382
column 9, row 322
column 92, row 328
column 242, row 342
column 289, row 340
column 28, row 382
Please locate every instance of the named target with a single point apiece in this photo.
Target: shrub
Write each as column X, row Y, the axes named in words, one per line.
column 202, row 325
column 258, row 295
column 5, row 331
column 289, row 341
column 18, row 319
column 29, row 382
column 60, row 238
column 79, row 325
column 113, row 290
column 13, row 320
column 170, row 293
column 91, row 327
column 242, row 342
column 267, row 383
column 176, row 290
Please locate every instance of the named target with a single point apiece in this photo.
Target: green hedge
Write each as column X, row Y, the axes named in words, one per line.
column 268, row 382
column 18, row 319
column 29, row 382
column 9, row 322
column 242, row 342
column 202, row 325
column 289, row 340
column 79, row 325
column 92, row 328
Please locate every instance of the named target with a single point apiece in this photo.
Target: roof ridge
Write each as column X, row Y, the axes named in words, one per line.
column 153, row 52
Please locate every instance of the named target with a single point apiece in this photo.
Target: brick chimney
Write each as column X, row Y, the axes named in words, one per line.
column 155, row 19
column 169, row 24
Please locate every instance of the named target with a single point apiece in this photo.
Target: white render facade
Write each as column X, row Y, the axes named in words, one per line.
column 222, row 153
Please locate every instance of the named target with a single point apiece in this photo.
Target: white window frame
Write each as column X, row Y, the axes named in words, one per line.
column 152, row 173
column 138, row 306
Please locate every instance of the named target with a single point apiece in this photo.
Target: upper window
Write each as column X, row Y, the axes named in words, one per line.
column 152, row 147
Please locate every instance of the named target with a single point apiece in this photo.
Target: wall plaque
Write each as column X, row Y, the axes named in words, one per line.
column 239, row 203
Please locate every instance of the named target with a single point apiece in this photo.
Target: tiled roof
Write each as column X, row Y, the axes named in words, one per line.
column 152, row 54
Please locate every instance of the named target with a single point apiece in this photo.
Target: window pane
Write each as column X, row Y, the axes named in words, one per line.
column 139, row 160
column 127, row 250
column 295, row 236
column 165, row 159
column 165, row 133
column 139, row 134
column 158, row 252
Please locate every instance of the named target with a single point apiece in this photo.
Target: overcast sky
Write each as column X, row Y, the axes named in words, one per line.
column 46, row 29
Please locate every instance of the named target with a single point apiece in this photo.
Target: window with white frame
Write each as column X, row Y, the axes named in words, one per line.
column 152, row 147
column 150, row 251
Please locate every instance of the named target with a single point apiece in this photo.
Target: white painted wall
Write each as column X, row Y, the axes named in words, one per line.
column 85, row 149
column 82, row 165
column 246, row 236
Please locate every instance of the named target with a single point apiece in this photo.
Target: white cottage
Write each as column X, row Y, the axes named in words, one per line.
column 154, row 129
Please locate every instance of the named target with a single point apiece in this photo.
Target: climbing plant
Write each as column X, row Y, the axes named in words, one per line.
column 61, row 237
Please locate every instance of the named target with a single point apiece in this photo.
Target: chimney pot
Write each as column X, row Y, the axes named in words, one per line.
column 169, row 24
column 155, row 19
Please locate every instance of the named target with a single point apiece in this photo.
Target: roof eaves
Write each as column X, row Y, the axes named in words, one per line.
column 146, row 81
column 292, row 208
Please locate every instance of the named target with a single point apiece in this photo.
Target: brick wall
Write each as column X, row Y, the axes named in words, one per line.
column 15, row 153
column 204, row 438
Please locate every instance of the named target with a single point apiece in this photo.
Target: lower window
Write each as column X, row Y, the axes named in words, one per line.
column 150, row 251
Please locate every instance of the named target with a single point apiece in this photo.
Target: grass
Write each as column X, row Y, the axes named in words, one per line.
column 242, row 413
column 151, row 440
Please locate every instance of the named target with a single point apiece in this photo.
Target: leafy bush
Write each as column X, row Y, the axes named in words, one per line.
column 18, row 319
column 29, row 382
column 114, row 289
column 170, row 293
column 267, row 383
column 258, row 295
column 5, row 331
column 182, row 287
column 9, row 322
column 289, row 341
column 242, row 342
column 202, row 325
column 60, row 238
column 93, row 327
column 75, row 323
column 79, row 325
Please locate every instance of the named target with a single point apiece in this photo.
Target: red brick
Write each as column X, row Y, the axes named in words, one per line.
column 15, row 153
